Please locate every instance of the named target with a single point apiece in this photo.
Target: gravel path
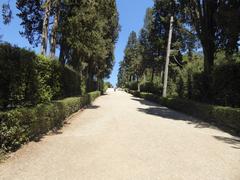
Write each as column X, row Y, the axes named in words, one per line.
column 126, row 138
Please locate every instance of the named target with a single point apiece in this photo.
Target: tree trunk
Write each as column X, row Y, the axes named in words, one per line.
column 61, row 55
column 89, row 82
column 161, row 75
column 45, row 27
column 208, row 51
column 190, row 55
column 138, row 84
column 99, row 84
column 90, row 76
column 55, row 29
column 152, row 77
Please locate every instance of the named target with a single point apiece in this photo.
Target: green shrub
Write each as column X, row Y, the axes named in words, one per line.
column 133, row 85
column 23, row 124
column 27, row 79
column 222, row 87
column 71, row 82
column 16, row 72
column 226, row 85
column 149, row 96
column 224, row 116
column 151, row 87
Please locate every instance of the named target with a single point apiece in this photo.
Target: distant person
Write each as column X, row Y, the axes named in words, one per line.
column 115, row 88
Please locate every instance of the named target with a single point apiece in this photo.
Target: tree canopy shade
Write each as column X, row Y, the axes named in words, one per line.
column 216, row 24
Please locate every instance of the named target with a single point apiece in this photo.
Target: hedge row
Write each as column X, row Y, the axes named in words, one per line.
column 28, row 79
column 24, row 124
column 222, row 116
column 222, row 87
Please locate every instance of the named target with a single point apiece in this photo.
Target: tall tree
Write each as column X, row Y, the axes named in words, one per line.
column 158, row 36
column 132, row 66
column 89, row 31
column 146, row 48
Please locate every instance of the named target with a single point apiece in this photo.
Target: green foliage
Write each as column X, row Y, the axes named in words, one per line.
column 2, row 155
column 131, row 68
column 12, row 132
column 27, row 79
column 23, row 124
column 226, row 85
column 224, row 88
column 203, row 78
column 106, row 85
column 6, row 13
column 186, row 77
column 17, row 75
column 151, row 87
column 216, row 25
column 31, row 14
column 88, row 35
column 149, row 51
column 132, row 85
column 71, row 82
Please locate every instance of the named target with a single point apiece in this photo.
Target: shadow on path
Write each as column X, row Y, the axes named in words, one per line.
column 161, row 111
column 164, row 112
column 92, row 107
column 235, row 142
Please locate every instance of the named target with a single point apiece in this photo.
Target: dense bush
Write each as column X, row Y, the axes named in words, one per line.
column 226, row 85
column 132, row 85
column 222, row 87
column 223, row 116
column 108, row 85
column 151, row 88
column 23, row 124
column 28, row 79
column 71, row 82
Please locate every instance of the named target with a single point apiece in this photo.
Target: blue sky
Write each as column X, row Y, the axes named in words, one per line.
column 131, row 13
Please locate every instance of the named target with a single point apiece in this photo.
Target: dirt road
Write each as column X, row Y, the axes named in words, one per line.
column 125, row 138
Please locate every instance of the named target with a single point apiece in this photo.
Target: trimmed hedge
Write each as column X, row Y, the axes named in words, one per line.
column 223, row 116
column 24, row 124
column 226, row 85
column 28, row 79
column 151, row 87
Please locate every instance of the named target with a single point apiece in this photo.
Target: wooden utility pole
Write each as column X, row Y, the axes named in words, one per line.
column 167, row 58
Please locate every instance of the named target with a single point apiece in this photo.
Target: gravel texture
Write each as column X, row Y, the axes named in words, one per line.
column 121, row 137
